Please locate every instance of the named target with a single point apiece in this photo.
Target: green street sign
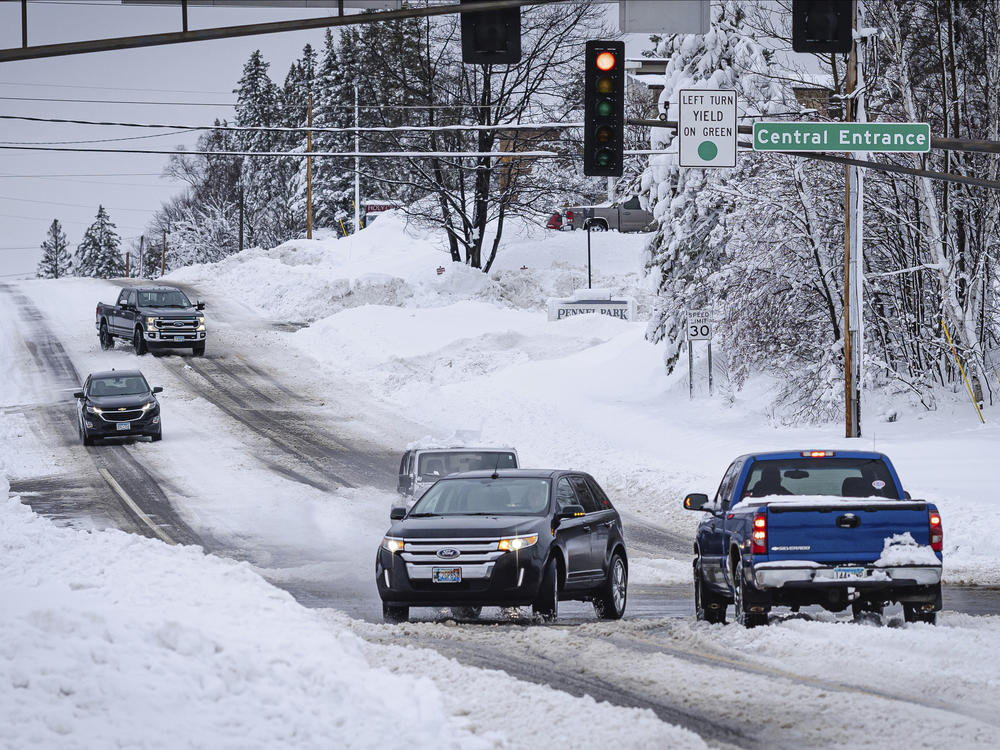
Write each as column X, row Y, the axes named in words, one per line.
column 842, row 136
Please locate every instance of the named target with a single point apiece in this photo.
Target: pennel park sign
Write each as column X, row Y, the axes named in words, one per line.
column 842, row 136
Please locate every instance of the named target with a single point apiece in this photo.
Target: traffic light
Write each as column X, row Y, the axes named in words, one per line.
column 822, row 25
column 604, row 109
column 491, row 36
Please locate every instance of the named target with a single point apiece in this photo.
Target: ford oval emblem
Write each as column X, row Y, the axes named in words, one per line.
column 448, row 553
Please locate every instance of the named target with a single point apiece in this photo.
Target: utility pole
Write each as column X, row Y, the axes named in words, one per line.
column 163, row 254
column 309, row 174
column 853, row 232
column 142, row 267
column 241, row 215
column 357, row 167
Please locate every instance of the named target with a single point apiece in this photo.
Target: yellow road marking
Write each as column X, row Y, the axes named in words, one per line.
column 131, row 503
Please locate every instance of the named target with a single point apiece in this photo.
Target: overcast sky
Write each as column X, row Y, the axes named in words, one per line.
column 194, row 82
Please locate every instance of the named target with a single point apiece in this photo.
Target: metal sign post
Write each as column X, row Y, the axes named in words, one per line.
column 588, row 255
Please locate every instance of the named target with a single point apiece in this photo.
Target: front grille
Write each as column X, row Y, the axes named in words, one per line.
column 176, row 327
column 476, row 557
column 129, row 415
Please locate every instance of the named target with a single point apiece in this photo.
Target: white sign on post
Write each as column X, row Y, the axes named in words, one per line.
column 706, row 128
column 699, row 325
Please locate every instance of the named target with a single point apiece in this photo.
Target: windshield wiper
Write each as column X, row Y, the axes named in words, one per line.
column 422, row 515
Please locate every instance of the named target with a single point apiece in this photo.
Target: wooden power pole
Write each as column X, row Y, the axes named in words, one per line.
column 853, row 218
column 309, row 174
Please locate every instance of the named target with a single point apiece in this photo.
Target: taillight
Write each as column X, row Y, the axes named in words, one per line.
column 569, row 216
column 758, row 537
column 937, row 533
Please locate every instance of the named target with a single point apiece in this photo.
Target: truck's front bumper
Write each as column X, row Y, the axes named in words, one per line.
column 778, row 575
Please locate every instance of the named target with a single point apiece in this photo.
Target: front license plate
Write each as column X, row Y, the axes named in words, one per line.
column 446, row 575
column 124, row 426
column 845, row 571
column 178, row 338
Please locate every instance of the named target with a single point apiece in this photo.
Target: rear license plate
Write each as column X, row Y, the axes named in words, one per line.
column 848, row 571
column 446, row 575
column 179, row 338
column 124, row 426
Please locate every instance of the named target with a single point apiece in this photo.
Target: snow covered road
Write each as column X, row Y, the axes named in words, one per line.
column 275, row 460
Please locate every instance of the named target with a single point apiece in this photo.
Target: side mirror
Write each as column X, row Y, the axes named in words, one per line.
column 907, row 495
column 199, row 306
column 397, row 514
column 78, row 394
column 696, row 501
column 158, row 389
column 570, row 511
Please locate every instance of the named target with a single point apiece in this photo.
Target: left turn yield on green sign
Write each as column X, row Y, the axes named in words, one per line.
column 706, row 128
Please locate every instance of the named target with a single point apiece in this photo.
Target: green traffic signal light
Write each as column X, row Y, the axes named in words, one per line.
column 602, row 158
column 605, row 108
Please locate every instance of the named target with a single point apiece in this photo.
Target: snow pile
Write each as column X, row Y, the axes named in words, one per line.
column 902, row 549
column 110, row 639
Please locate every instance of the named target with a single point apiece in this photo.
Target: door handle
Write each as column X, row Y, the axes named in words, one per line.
column 609, row 524
column 587, row 529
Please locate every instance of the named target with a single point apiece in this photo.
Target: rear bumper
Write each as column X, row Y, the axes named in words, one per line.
column 767, row 577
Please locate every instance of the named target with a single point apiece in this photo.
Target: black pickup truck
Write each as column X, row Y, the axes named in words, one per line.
column 152, row 317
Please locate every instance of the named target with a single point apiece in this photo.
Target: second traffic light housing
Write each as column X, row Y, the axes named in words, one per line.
column 491, row 36
column 822, row 25
column 604, row 109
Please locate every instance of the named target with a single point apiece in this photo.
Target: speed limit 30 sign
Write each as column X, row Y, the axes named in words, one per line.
column 699, row 325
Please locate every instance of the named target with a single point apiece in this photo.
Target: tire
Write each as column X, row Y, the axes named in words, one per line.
column 138, row 343
column 394, row 614
column 157, row 436
column 708, row 605
column 466, row 613
column 744, row 599
column 198, row 350
column 87, row 440
column 546, row 603
column 912, row 613
column 613, row 594
column 106, row 339
column 867, row 611
column 597, row 226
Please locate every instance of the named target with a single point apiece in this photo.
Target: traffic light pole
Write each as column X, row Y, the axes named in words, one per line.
column 853, row 234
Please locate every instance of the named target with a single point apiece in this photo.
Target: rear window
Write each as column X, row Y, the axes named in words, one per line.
column 442, row 463
column 504, row 496
column 834, row 477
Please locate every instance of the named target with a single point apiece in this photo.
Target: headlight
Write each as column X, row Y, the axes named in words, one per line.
column 393, row 545
column 201, row 323
column 150, row 405
column 516, row 543
column 95, row 410
column 150, row 324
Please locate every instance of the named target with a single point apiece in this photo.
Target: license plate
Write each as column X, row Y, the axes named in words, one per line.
column 845, row 571
column 124, row 425
column 179, row 338
column 446, row 575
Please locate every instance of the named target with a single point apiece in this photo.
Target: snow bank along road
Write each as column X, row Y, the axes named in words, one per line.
column 249, row 458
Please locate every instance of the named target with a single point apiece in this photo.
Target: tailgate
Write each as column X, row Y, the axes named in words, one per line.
column 842, row 532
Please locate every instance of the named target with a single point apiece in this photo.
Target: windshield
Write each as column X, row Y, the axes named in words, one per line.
column 836, row 477
column 127, row 385
column 164, row 298
column 431, row 466
column 504, row 496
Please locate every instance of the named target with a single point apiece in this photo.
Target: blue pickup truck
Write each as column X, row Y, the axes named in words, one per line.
column 833, row 528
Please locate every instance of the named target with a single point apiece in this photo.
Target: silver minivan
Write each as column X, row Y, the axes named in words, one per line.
column 419, row 468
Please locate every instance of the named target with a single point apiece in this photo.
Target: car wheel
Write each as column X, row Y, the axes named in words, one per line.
column 394, row 614
column 466, row 613
column 913, row 613
column 865, row 611
column 198, row 350
column 157, row 436
column 708, row 605
column 745, row 600
column 138, row 342
column 106, row 339
column 610, row 602
column 546, row 603
column 87, row 439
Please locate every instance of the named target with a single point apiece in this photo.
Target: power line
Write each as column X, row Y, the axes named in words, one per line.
column 87, row 174
column 108, row 88
column 315, row 129
column 303, row 154
column 71, row 205
column 114, row 101
column 96, row 140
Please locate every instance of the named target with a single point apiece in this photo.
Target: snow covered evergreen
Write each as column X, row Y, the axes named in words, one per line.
column 55, row 262
column 99, row 252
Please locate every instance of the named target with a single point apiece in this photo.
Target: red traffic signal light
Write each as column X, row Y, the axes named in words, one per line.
column 604, row 109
